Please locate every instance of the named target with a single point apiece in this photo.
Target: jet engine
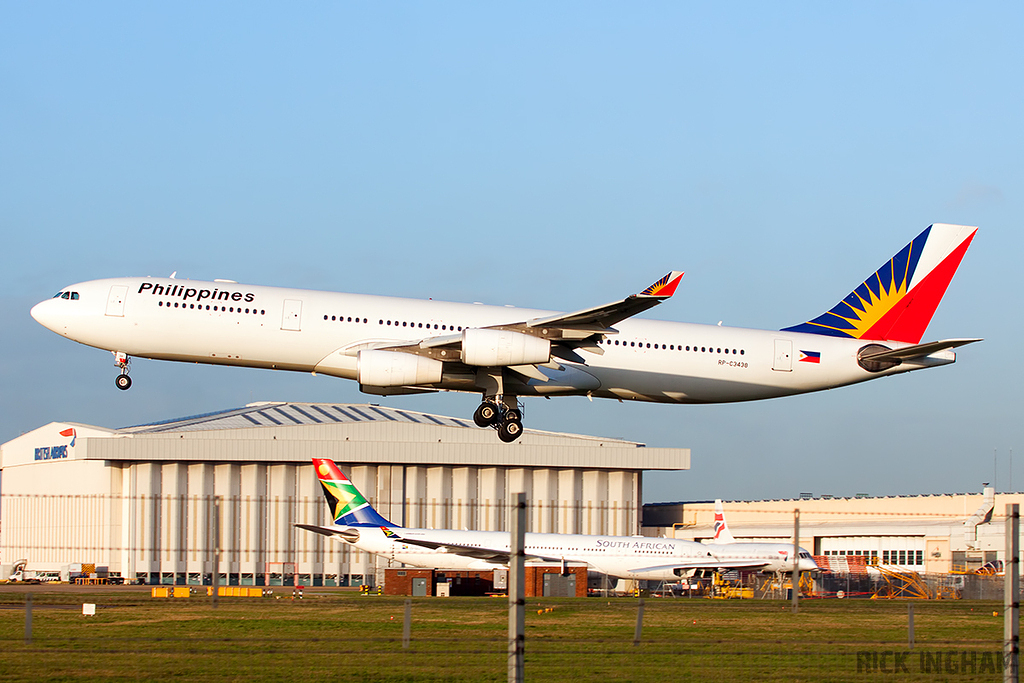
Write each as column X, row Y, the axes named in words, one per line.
column 492, row 348
column 395, row 369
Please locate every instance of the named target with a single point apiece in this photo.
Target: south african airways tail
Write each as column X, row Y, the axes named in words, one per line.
column 348, row 506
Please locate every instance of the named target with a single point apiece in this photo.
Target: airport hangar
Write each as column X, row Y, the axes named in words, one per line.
column 938, row 533
column 140, row 500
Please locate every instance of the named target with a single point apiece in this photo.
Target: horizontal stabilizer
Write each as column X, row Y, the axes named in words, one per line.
column 917, row 351
column 350, row 535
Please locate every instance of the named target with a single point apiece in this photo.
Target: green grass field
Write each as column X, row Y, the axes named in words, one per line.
column 335, row 635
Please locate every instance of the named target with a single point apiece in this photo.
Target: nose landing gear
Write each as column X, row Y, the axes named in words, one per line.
column 123, row 361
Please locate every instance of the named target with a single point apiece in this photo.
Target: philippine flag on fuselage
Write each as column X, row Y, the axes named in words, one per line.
column 810, row 356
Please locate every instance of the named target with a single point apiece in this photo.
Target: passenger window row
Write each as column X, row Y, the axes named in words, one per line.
column 222, row 309
column 675, row 347
column 447, row 328
column 341, row 318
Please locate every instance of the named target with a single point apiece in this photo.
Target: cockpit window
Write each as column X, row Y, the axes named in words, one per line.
column 66, row 295
column 57, row 295
column 74, row 295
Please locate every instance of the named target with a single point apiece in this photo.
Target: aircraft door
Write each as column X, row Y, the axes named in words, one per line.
column 115, row 301
column 783, row 355
column 292, row 319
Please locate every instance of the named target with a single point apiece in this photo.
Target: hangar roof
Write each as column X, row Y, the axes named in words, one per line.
column 271, row 414
column 364, row 433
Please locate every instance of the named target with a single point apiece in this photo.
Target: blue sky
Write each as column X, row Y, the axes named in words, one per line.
column 547, row 155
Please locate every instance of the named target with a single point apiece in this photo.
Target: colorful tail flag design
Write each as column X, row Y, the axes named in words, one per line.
column 666, row 286
column 897, row 302
column 722, row 533
column 348, row 506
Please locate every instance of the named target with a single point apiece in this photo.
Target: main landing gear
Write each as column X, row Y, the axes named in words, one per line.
column 123, row 361
column 507, row 420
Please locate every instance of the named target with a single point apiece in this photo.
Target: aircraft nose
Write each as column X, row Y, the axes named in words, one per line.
column 45, row 315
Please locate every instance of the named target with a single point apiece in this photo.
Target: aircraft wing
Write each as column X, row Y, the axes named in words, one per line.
column 918, row 350
column 567, row 331
column 705, row 564
column 600, row 318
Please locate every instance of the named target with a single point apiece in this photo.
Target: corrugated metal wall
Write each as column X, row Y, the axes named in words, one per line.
column 161, row 528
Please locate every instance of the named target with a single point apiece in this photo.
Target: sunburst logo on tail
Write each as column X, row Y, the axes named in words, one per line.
column 898, row 300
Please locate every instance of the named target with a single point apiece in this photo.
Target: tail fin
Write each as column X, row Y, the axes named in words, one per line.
column 897, row 302
column 722, row 533
column 348, row 506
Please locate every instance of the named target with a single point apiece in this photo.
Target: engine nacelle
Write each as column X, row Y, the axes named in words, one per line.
column 395, row 369
column 492, row 348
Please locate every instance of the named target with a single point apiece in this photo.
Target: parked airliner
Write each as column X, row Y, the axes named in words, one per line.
column 400, row 346
column 725, row 545
column 625, row 557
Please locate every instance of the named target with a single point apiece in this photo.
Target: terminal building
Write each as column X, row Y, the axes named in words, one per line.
column 142, row 501
column 956, row 532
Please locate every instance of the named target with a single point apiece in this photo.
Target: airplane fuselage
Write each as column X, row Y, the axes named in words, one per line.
column 627, row 557
column 227, row 323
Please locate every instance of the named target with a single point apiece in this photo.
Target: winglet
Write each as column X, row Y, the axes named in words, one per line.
column 665, row 287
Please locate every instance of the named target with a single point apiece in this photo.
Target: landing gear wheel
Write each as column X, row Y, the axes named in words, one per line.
column 486, row 415
column 123, row 382
column 513, row 415
column 510, row 430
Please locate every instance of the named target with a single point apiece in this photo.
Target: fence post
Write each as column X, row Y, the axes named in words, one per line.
column 28, row 618
column 517, row 592
column 796, row 561
column 639, row 623
column 1011, row 595
column 216, row 549
column 407, row 626
column 910, row 625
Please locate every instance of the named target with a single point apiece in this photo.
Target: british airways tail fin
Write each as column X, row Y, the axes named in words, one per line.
column 348, row 506
column 897, row 302
column 722, row 533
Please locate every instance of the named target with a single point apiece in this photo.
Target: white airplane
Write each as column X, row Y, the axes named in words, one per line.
column 727, row 546
column 625, row 557
column 401, row 346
